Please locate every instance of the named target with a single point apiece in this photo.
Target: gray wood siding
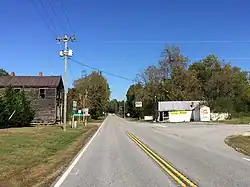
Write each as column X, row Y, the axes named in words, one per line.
column 45, row 108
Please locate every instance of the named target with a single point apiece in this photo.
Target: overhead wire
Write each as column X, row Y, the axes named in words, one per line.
column 66, row 17
column 51, row 28
column 174, row 42
column 99, row 70
column 48, row 15
column 56, row 15
column 71, row 74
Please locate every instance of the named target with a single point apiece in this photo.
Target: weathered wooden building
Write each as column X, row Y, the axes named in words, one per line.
column 45, row 93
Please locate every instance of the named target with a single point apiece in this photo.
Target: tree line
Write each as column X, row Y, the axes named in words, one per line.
column 223, row 87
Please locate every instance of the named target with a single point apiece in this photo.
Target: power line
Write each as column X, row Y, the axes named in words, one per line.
column 175, row 42
column 49, row 18
column 66, row 17
column 99, row 70
column 56, row 15
column 52, row 31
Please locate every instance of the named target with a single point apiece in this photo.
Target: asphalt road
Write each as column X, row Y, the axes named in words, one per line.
column 196, row 150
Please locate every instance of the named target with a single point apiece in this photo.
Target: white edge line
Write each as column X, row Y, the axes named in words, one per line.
column 247, row 159
column 66, row 173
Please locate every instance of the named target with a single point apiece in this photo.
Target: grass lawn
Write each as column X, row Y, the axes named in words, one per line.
column 240, row 143
column 241, row 120
column 99, row 120
column 35, row 156
column 135, row 119
column 132, row 119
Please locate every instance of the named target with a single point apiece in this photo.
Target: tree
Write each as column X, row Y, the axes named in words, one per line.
column 184, row 90
column 17, row 110
column 165, row 81
column 134, row 94
column 72, row 95
column 121, row 108
column 112, row 106
column 170, row 59
column 204, row 70
column 3, row 113
column 221, row 86
column 3, row 72
column 26, row 113
column 97, row 92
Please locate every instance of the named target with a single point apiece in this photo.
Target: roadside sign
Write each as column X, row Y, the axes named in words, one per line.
column 205, row 113
column 74, row 105
column 79, row 111
column 85, row 111
column 178, row 112
column 138, row 104
column 78, row 115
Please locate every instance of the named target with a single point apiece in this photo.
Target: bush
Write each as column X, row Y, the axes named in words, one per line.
column 15, row 109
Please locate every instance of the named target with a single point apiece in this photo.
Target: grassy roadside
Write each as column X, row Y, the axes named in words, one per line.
column 95, row 120
column 239, row 143
column 35, row 156
column 135, row 119
column 240, row 120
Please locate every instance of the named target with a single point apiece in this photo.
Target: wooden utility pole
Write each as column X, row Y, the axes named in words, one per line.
column 66, row 53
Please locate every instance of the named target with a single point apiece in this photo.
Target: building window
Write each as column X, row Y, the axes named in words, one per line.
column 42, row 93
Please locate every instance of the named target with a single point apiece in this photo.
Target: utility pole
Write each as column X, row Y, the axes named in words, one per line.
column 248, row 76
column 66, row 53
column 156, row 106
column 124, row 108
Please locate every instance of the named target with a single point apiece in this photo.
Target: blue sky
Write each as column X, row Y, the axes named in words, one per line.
column 121, row 37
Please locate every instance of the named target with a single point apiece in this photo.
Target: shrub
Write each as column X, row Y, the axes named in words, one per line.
column 15, row 109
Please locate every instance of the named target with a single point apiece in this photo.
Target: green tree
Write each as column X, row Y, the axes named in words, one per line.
column 3, row 113
column 204, row 70
column 223, row 87
column 171, row 58
column 25, row 112
column 134, row 94
column 72, row 95
column 17, row 110
column 112, row 106
column 3, row 72
column 96, row 88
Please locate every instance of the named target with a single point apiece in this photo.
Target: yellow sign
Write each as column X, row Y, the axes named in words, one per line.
column 178, row 112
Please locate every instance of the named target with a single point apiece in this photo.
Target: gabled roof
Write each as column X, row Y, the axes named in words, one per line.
column 30, row 81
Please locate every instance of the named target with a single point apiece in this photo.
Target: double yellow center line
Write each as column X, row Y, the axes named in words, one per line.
column 167, row 167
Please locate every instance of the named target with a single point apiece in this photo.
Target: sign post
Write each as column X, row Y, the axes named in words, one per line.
column 73, row 112
column 85, row 114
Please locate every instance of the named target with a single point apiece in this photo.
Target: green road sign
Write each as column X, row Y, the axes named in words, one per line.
column 78, row 115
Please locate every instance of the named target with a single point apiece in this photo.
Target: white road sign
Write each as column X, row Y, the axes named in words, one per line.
column 138, row 104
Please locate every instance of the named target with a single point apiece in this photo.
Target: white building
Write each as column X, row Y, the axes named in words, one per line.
column 182, row 111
